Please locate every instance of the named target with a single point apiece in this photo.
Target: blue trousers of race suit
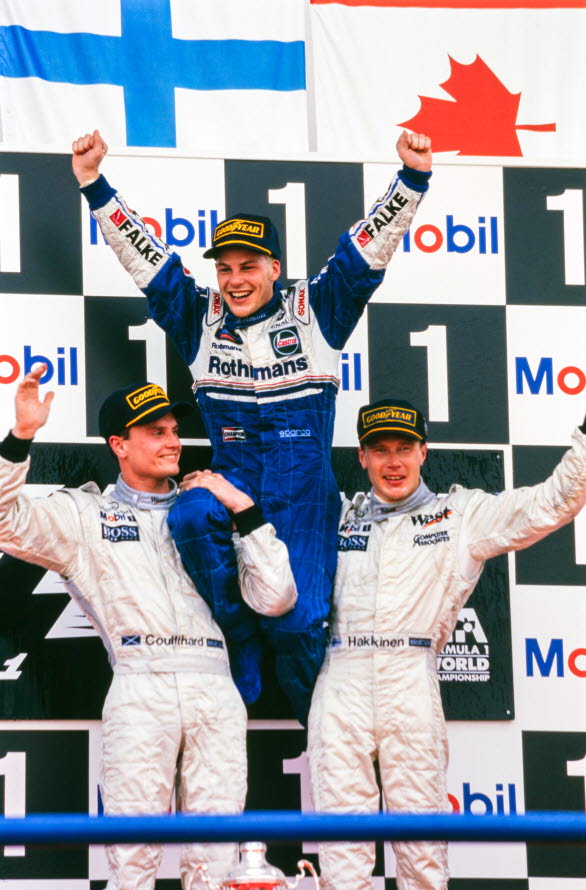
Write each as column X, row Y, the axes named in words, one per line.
column 202, row 530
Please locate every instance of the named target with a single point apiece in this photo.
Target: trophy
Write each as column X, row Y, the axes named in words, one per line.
column 253, row 872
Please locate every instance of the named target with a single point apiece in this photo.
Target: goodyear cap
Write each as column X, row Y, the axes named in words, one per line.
column 137, row 404
column 391, row 417
column 246, row 230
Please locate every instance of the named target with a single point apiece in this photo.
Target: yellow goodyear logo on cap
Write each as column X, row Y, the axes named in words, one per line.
column 239, row 227
column 389, row 414
column 145, row 394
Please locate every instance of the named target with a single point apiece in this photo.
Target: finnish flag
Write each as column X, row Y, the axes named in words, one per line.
column 221, row 77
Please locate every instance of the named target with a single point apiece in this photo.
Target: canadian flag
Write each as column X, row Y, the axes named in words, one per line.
column 481, row 79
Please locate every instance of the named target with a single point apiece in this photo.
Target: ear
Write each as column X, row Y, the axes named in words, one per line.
column 362, row 458
column 276, row 270
column 118, row 446
column 423, row 453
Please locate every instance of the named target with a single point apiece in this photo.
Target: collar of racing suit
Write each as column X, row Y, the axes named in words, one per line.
column 233, row 321
column 380, row 510
column 144, row 500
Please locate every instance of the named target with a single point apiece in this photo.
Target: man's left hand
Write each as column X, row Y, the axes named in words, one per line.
column 231, row 497
column 31, row 411
column 414, row 149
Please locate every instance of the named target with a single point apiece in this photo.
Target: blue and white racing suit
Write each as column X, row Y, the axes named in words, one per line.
column 266, row 387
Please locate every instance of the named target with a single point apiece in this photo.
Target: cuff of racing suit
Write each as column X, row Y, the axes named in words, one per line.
column 14, row 449
column 98, row 193
column 418, row 180
column 248, row 520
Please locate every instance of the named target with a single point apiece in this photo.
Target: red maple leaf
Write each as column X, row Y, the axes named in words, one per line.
column 481, row 120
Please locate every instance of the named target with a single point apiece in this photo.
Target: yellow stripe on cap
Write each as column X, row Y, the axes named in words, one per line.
column 246, row 243
column 385, row 429
column 148, row 411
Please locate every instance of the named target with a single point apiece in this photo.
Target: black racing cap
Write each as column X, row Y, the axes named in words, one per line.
column 246, row 230
column 391, row 417
column 137, row 404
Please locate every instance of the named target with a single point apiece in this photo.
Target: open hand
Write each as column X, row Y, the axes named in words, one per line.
column 31, row 411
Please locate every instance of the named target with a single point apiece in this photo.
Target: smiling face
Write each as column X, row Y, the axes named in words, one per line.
column 246, row 278
column 149, row 455
column 393, row 464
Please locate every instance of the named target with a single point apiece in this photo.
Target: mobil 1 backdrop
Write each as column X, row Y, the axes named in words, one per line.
column 480, row 321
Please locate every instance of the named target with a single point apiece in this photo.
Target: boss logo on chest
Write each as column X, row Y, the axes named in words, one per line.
column 353, row 536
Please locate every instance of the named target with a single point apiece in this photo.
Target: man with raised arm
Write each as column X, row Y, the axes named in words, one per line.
column 408, row 560
column 173, row 719
column 265, row 364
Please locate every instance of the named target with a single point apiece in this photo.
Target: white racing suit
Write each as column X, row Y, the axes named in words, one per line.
column 173, row 719
column 401, row 582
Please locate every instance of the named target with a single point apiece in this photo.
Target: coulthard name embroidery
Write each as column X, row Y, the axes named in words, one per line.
column 174, row 640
